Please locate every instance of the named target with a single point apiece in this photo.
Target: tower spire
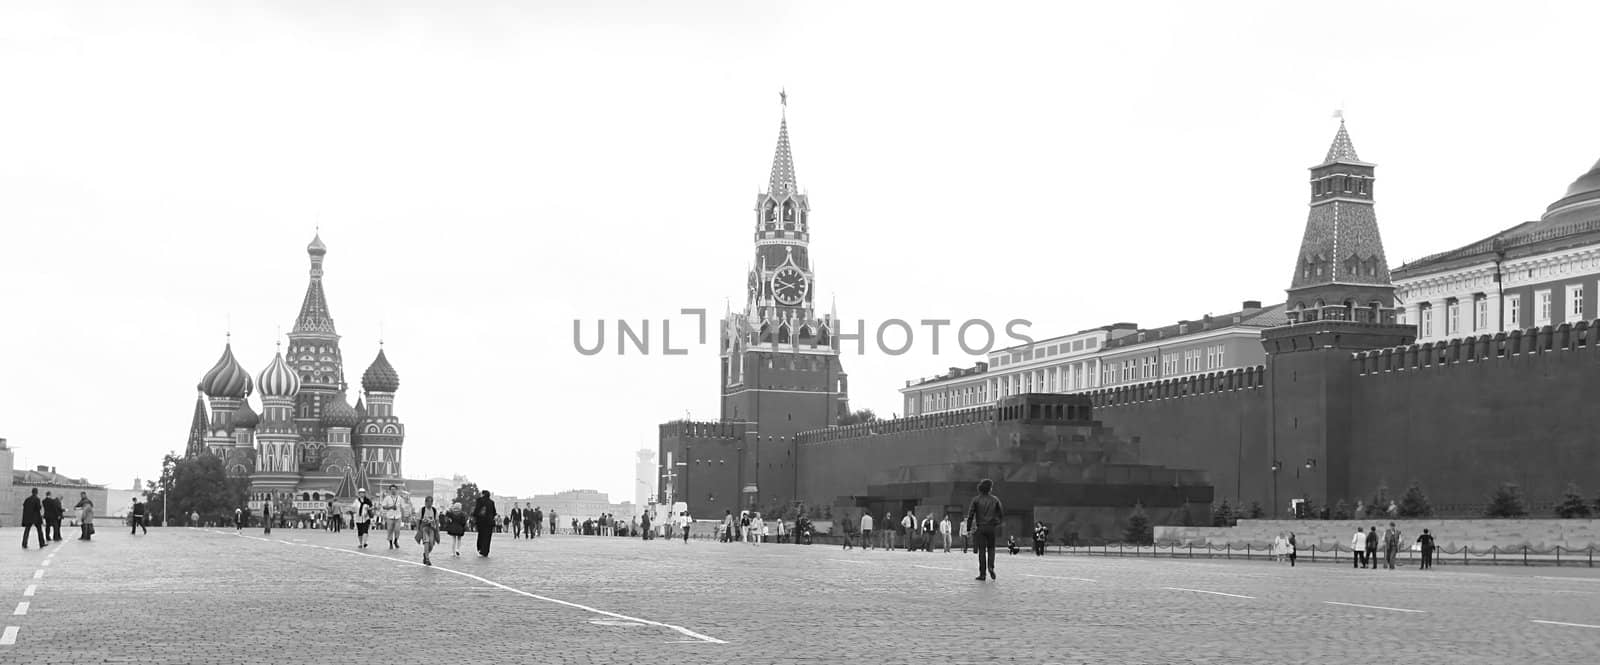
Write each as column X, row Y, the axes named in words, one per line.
column 314, row 315
column 782, row 180
column 1342, row 149
column 1341, row 271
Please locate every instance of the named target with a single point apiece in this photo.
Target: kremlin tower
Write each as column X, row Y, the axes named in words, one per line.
column 308, row 445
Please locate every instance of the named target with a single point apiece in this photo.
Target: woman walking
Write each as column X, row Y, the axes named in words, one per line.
column 266, row 517
column 363, row 517
column 391, row 516
column 455, row 524
column 427, row 528
column 85, row 515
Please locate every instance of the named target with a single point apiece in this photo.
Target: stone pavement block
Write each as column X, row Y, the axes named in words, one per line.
column 192, row 596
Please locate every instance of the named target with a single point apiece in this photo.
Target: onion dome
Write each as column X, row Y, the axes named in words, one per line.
column 277, row 380
column 227, row 379
column 316, row 248
column 380, row 377
column 245, row 417
column 337, row 413
column 1582, row 197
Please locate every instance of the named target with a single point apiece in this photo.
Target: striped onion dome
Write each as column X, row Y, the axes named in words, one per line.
column 227, row 379
column 338, row 413
column 245, row 417
column 277, row 380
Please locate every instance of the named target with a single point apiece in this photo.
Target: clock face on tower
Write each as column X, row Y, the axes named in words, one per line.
column 789, row 285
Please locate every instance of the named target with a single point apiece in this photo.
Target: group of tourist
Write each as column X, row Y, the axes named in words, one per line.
column 44, row 516
column 1367, row 544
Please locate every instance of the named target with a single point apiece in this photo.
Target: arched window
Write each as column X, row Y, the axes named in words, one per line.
column 772, row 211
column 788, row 212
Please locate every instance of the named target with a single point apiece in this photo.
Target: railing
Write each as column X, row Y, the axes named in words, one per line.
column 1522, row 555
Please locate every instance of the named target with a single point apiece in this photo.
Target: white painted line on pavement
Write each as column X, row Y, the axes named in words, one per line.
column 29, row 591
column 46, row 562
column 10, row 636
column 1053, row 577
column 22, row 609
column 685, row 631
column 1563, row 623
column 38, row 574
column 916, row 565
column 845, row 560
column 1217, row 593
column 1374, row 607
column 1567, row 579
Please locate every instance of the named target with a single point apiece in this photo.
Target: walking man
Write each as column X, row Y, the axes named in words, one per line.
column 927, row 533
column 908, row 526
column 983, row 519
column 484, row 515
column 516, row 521
column 1426, row 541
column 33, row 515
column 1358, row 549
column 138, row 518
column 52, row 516
column 1391, row 545
column 391, row 516
column 944, row 530
column 1372, row 546
column 866, row 529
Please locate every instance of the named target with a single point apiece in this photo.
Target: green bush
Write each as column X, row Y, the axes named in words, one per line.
column 1414, row 503
column 1138, row 531
column 1507, row 502
column 1572, row 504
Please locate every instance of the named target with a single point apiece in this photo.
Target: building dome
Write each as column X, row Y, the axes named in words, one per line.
column 338, row 413
column 1580, row 202
column 277, row 380
column 316, row 248
column 245, row 417
column 227, row 379
column 380, row 377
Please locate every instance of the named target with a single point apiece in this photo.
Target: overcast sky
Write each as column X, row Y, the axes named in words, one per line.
column 485, row 174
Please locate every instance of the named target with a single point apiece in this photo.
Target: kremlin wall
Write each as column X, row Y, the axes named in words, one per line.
column 1340, row 400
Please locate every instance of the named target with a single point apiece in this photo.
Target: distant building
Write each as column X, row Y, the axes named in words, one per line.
column 582, row 504
column 46, row 479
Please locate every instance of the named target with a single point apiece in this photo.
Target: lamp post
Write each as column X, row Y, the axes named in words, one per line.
column 1276, row 466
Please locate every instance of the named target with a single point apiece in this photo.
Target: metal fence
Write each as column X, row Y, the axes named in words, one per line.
column 1522, row 555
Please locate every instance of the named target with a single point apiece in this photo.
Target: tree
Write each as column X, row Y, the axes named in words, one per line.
column 1507, row 502
column 1341, row 510
column 1379, row 502
column 1256, row 511
column 154, row 490
column 1572, row 504
column 1138, row 531
column 1222, row 515
column 1414, row 503
column 858, row 417
column 467, row 496
column 201, row 485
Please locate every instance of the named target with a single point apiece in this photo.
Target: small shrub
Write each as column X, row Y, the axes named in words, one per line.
column 1414, row 503
column 1572, row 505
column 1138, row 531
column 1507, row 502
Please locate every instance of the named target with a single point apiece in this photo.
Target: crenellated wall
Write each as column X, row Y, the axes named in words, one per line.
column 1464, row 415
column 1215, row 422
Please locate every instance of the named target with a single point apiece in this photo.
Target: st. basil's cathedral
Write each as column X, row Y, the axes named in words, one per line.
column 307, row 445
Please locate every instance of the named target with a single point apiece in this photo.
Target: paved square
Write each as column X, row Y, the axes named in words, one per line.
column 211, row 596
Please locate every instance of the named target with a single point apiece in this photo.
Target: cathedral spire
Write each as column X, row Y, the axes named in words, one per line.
column 314, row 316
column 198, row 429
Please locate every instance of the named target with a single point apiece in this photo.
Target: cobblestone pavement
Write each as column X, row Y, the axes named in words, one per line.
column 211, row 596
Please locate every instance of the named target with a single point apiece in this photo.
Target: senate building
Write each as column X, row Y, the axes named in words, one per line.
column 306, row 444
column 1458, row 372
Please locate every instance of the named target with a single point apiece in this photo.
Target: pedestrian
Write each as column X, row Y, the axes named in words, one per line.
column 1292, row 549
column 866, row 529
column 758, row 528
column 516, row 521
column 455, row 524
column 52, row 516
column 138, row 518
column 85, row 515
column 908, row 528
column 966, row 537
column 363, row 518
column 484, row 514
column 684, row 524
column 1426, row 542
column 984, row 517
column 944, row 530
column 1391, row 546
column 238, row 520
column 266, row 518
column 1040, row 532
column 1358, row 549
column 33, row 515
column 1011, row 544
column 427, row 528
column 1372, row 546
column 1278, row 547
column 553, row 522
column 391, row 516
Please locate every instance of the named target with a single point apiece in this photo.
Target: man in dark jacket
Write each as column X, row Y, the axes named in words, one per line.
column 33, row 515
column 983, row 522
column 484, row 515
column 52, row 516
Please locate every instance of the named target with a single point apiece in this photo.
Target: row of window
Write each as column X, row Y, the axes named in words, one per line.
column 1339, row 183
column 1047, row 351
column 1543, row 313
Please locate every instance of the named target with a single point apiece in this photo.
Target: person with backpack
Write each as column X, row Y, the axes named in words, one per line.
column 454, row 523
